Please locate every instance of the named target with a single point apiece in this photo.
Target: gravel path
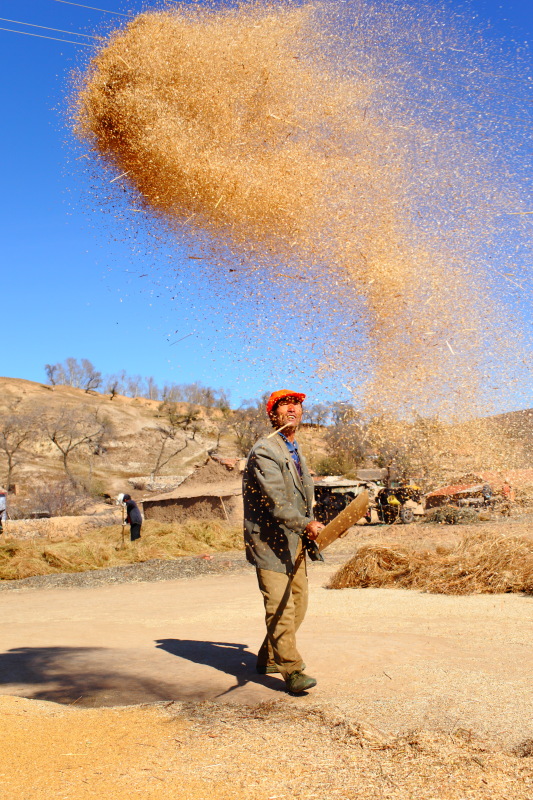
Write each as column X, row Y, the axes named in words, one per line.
column 156, row 569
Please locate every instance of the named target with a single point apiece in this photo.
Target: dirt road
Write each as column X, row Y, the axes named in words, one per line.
column 387, row 662
column 398, row 658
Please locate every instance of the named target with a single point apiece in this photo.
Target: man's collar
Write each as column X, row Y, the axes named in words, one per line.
column 292, row 444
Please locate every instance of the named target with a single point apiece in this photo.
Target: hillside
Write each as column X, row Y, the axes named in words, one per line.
column 517, row 425
column 131, row 448
column 128, row 454
column 130, row 451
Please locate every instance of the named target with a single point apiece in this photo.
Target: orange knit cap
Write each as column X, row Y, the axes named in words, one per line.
column 275, row 397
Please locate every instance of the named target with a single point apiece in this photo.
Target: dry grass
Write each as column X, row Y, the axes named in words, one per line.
column 481, row 563
column 102, row 548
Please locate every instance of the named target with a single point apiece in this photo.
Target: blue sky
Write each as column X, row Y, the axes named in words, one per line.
column 71, row 284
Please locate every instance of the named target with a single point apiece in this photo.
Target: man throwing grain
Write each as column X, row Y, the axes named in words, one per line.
column 278, row 531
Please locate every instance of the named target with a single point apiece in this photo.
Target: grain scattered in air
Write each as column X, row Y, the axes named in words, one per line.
column 359, row 147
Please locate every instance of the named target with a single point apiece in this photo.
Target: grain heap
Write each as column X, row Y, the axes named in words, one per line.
column 480, row 563
column 302, row 149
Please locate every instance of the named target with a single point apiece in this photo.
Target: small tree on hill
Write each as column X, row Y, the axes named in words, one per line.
column 249, row 423
column 91, row 378
column 346, row 442
column 17, row 434
column 224, row 424
column 176, row 429
column 52, row 373
column 71, row 372
column 318, row 414
column 76, row 431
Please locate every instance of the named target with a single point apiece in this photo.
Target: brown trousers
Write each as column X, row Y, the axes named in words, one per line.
column 285, row 598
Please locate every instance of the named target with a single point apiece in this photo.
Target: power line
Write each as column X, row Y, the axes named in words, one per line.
column 68, row 3
column 53, row 38
column 46, row 28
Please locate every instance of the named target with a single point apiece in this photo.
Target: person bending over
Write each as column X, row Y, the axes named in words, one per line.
column 133, row 517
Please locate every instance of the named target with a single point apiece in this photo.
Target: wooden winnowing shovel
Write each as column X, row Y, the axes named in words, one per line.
column 343, row 521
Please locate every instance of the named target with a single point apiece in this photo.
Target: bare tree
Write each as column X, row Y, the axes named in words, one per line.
column 197, row 394
column 172, row 392
column 222, row 400
column 394, row 444
column 116, row 383
column 52, row 373
column 223, row 425
column 249, row 423
column 91, row 379
column 71, row 372
column 318, row 414
column 346, row 447
column 17, row 433
column 134, row 385
column 83, row 375
column 76, row 431
column 57, row 374
column 57, row 497
column 175, row 431
column 346, row 441
column 152, row 390
column 113, row 390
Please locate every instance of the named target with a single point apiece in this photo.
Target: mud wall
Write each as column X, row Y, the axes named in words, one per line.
column 180, row 509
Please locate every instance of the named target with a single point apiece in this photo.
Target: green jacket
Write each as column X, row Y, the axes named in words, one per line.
column 278, row 505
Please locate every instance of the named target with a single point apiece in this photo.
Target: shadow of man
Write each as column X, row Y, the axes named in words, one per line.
column 229, row 657
column 88, row 676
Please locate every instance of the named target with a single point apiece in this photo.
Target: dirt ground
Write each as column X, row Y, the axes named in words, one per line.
column 149, row 690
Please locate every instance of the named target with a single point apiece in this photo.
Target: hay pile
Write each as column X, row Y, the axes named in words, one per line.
column 320, row 154
column 480, row 563
column 58, row 528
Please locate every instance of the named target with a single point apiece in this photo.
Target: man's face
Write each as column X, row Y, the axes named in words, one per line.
column 287, row 410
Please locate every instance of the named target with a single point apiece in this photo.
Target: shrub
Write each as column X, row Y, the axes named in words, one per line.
column 451, row 515
column 333, row 465
column 55, row 499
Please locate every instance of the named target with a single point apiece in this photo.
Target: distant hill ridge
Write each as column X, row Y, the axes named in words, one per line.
column 132, row 448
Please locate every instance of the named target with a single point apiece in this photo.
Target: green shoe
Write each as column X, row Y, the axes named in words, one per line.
column 298, row 682
column 270, row 669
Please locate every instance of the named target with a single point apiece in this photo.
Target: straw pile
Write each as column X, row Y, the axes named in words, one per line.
column 480, row 563
column 329, row 170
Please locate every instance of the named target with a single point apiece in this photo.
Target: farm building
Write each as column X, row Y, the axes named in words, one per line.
column 211, row 502
column 213, row 491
